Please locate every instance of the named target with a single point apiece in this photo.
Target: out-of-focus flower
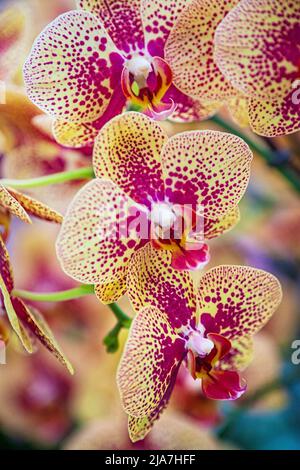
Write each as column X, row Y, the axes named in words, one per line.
column 151, row 188
column 29, row 150
column 38, row 396
column 265, row 368
column 234, row 304
column 231, row 51
column 45, row 397
column 283, row 232
column 257, row 49
column 87, row 63
column 25, row 321
column 13, row 33
column 182, row 433
column 12, row 202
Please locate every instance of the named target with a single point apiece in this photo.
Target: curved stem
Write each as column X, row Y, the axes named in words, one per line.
column 55, row 178
column 111, row 340
column 265, row 153
column 122, row 318
column 62, row 296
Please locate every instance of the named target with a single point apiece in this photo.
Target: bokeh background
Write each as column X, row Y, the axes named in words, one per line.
column 41, row 406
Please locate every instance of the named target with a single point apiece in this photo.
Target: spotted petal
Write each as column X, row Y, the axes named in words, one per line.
column 151, row 358
column 121, row 19
column 159, row 18
column 5, row 267
column 237, row 301
column 36, row 208
column 12, row 205
column 173, row 293
column 189, row 50
column 239, row 109
column 73, row 134
column 258, row 47
column 240, row 355
column 92, row 246
column 138, row 428
column 76, row 135
column 128, row 151
column 188, row 109
column 73, row 68
column 111, row 292
column 34, row 322
column 214, row 228
column 12, row 34
column 272, row 118
column 6, row 287
column 207, row 168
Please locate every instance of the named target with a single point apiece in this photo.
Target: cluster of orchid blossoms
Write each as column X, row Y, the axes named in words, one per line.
column 181, row 60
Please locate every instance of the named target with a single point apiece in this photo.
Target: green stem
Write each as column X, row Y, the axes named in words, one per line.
column 265, row 153
column 62, row 296
column 122, row 318
column 55, row 178
column 111, row 340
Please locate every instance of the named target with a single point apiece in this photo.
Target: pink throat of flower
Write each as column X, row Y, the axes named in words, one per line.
column 204, row 361
column 173, row 228
column 145, row 81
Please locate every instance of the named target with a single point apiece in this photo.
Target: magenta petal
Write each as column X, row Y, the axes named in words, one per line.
column 121, row 19
column 190, row 259
column 223, row 385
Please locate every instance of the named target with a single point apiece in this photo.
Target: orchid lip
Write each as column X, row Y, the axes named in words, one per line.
column 197, row 343
column 140, row 67
column 163, row 215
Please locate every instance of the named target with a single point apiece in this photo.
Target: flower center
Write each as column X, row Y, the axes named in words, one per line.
column 198, row 344
column 140, row 67
column 162, row 215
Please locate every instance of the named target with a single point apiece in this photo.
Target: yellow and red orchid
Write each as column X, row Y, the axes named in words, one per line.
column 25, row 321
column 87, row 63
column 244, row 54
column 144, row 181
column 209, row 330
column 258, row 51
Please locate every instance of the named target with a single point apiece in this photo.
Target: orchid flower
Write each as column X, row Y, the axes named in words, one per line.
column 245, row 54
column 258, row 50
column 209, row 331
column 87, row 64
column 25, row 321
column 143, row 175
